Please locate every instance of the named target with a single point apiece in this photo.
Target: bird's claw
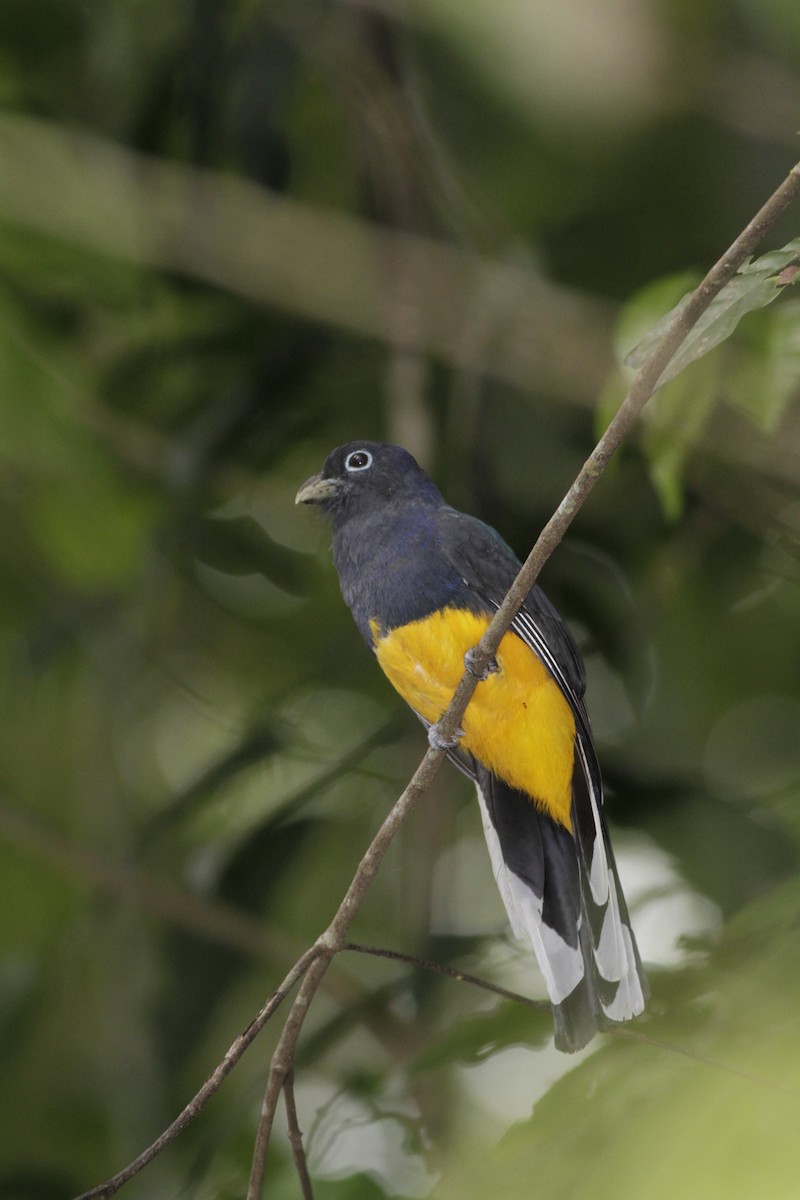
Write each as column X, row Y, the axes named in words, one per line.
column 470, row 662
column 437, row 741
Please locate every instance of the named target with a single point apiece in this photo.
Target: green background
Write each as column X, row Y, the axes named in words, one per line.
column 233, row 236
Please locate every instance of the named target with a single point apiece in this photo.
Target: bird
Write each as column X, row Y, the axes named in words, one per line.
column 422, row 581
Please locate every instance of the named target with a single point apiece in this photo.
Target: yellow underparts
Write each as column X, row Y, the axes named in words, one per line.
column 518, row 723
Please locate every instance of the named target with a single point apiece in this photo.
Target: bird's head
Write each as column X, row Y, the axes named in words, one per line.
column 362, row 476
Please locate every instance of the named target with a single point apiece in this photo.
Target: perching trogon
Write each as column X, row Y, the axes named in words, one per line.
column 422, row 582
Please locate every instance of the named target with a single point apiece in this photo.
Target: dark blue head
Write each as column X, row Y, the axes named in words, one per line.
column 383, row 508
column 362, row 477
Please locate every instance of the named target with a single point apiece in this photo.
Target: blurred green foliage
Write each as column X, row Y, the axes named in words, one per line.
column 231, row 237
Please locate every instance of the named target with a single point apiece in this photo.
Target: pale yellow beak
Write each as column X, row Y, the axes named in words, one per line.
column 317, row 489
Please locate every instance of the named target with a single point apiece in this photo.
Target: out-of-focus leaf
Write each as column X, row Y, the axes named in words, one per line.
column 644, row 310
column 240, row 546
column 353, row 1187
column 474, row 1039
column 259, row 744
column 715, row 1123
column 757, row 284
column 673, row 423
column 766, row 372
column 635, row 318
column 89, row 525
column 761, row 376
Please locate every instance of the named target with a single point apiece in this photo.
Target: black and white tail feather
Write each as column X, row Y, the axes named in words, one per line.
column 612, row 984
column 562, row 894
column 561, row 889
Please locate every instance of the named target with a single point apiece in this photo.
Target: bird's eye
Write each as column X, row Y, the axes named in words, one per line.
column 358, row 460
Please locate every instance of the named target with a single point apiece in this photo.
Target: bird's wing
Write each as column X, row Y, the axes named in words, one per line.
column 612, row 983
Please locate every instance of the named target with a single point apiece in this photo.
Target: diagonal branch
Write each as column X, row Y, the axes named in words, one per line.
column 327, row 945
column 296, row 1137
column 641, row 389
column 425, row 964
column 211, row 1085
column 311, row 967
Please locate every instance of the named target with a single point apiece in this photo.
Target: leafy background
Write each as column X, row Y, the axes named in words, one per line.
column 231, row 237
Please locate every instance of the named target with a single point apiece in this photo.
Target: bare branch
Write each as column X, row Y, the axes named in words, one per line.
column 211, row 1085
column 329, row 944
column 642, row 388
column 315, row 962
column 217, row 922
column 426, row 964
column 280, row 1069
column 640, row 391
column 614, row 1031
column 317, row 263
column 296, row 1137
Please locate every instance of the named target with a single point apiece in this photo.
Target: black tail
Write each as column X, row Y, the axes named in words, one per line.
column 562, row 893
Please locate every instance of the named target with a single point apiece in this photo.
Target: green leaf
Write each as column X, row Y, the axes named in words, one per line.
column 675, row 417
column 757, row 284
column 473, row 1039
column 636, row 317
column 643, row 311
column 766, row 374
column 673, row 423
column 240, row 546
column 708, row 1108
column 89, row 522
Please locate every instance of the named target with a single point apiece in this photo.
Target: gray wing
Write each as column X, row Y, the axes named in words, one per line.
column 488, row 567
column 612, row 986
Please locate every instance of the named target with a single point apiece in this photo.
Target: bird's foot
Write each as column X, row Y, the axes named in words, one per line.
column 437, row 740
column 471, row 664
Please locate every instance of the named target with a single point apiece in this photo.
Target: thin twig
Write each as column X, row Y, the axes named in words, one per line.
column 211, row 1085
column 437, row 968
column 331, row 941
column 280, row 1067
column 619, row 1031
column 296, row 1138
column 635, row 1035
column 216, row 922
column 642, row 388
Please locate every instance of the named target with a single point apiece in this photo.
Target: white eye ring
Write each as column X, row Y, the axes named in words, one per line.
column 351, row 465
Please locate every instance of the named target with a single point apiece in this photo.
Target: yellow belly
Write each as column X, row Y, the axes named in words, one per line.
column 518, row 723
